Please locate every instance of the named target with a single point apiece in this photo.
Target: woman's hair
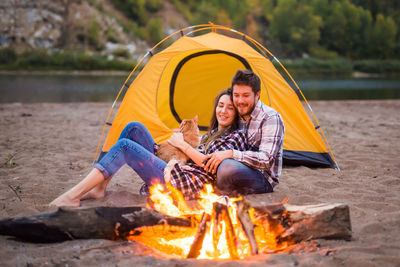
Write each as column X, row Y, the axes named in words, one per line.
column 214, row 122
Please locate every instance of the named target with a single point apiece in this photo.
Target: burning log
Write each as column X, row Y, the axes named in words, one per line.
column 198, row 240
column 100, row 222
column 269, row 228
column 222, row 214
column 247, row 225
column 301, row 223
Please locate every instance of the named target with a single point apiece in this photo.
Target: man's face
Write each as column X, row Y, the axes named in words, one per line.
column 244, row 99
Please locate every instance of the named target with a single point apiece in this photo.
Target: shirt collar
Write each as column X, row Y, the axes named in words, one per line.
column 256, row 110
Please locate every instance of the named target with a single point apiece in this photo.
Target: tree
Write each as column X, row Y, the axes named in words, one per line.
column 223, row 19
column 383, row 36
column 295, row 25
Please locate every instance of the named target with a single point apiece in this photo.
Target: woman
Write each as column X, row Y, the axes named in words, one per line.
column 223, row 134
column 136, row 147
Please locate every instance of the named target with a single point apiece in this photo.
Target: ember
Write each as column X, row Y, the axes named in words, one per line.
column 222, row 227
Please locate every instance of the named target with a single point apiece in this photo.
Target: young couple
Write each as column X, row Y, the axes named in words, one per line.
column 241, row 152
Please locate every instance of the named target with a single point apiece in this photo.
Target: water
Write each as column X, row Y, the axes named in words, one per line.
column 80, row 88
column 59, row 88
column 350, row 88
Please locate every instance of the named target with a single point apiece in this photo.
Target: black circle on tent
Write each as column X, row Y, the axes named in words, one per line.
column 179, row 67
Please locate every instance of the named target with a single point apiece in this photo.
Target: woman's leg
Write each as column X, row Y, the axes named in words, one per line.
column 137, row 132
column 73, row 196
column 148, row 166
column 134, row 131
column 236, row 177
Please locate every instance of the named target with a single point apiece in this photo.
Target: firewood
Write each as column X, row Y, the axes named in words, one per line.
column 198, row 240
column 326, row 221
column 222, row 214
column 248, row 227
column 84, row 223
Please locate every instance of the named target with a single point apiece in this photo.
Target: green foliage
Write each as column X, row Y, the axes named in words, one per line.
column 93, row 32
column 183, row 9
column 322, row 53
column 313, row 65
column 154, row 31
column 7, row 55
column 138, row 10
column 205, row 12
column 377, row 66
column 121, row 52
column 111, row 36
column 382, row 38
column 65, row 60
column 34, row 59
column 294, row 24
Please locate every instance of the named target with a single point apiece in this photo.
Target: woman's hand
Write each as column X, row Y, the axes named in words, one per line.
column 177, row 140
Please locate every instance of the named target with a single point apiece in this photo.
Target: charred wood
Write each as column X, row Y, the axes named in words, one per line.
column 101, row 222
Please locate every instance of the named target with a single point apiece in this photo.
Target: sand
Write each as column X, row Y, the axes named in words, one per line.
column 52, row 147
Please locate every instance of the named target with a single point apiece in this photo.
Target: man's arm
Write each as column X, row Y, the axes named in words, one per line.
column 271, row 142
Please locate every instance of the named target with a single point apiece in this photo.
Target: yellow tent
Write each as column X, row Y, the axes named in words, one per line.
column 182, row 80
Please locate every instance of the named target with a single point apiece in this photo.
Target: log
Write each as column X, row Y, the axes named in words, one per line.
column 197, row 244
column 302, row 223
column 299, row 223
column 247, row 226
column 222, row 214
column 100, row 222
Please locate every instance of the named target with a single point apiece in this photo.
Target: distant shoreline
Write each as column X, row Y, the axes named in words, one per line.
column 66, row 72
column 355, row 74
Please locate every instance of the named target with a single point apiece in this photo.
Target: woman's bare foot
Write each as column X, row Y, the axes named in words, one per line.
column 64, row 200
column 95, row 193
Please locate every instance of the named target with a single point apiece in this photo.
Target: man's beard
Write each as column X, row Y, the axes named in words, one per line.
column 251, row 108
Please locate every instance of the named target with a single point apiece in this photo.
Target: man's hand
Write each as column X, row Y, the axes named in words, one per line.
column 212, row 161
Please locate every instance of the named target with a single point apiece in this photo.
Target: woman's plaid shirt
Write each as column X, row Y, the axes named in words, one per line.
column 191, row 178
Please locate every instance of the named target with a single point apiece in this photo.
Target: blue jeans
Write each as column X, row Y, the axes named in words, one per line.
column 236, row 177
column 134, row 147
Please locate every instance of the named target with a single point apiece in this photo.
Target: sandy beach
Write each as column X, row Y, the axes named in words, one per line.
column 47, row 148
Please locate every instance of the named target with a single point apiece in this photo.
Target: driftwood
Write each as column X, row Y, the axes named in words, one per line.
column 301, row 223
column 296, row 223
column 100, row 222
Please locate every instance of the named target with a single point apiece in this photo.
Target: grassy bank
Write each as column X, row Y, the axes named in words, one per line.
column 62, row 60
column 72, row 60
column 341, row 66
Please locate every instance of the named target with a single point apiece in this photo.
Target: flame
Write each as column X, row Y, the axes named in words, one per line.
column 224, row 237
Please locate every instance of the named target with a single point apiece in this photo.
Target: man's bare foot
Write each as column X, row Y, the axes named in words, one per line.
column 64, row 200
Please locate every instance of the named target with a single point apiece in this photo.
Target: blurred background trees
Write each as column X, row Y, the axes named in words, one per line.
column 353, row 29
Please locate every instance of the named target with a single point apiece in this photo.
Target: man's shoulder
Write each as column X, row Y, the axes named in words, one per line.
column 267, row 111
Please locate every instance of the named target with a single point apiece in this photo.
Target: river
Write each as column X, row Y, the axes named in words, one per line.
column 34, row 88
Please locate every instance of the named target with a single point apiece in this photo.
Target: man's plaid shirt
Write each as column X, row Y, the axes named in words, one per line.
column 265, row 132
column 191, row 179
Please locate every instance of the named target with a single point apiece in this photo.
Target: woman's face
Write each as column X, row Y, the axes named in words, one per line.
column 225, row 111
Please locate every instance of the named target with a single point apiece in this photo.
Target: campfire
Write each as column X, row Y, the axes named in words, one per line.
column 221, row 227
column 214, row 227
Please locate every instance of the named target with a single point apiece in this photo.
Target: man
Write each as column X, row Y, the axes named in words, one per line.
column 257, row 170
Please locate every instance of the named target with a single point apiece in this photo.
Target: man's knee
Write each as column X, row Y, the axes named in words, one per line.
column 227, row 170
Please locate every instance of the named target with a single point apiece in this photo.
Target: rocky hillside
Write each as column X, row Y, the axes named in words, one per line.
column 94, row 26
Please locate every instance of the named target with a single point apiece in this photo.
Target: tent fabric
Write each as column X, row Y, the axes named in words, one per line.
column 183, row 80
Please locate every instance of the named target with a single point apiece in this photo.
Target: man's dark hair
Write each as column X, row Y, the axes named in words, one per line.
column 247, row 77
